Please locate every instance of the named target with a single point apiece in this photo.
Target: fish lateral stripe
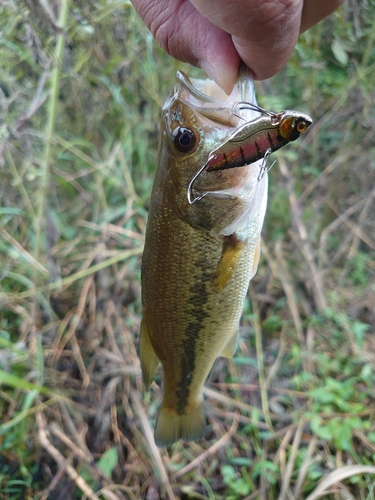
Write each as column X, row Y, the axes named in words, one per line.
column 198, row 297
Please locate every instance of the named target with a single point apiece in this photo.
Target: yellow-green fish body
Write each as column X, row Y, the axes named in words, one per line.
column 198, row 258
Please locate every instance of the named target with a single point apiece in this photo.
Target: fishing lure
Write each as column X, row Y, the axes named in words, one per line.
column 254, row 140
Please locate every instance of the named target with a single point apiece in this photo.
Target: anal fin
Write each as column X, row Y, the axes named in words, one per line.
column 149, row 360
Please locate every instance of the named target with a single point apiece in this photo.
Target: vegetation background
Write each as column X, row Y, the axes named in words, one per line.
column 81, row 87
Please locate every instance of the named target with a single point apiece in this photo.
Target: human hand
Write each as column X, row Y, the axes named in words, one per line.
column 217, row 34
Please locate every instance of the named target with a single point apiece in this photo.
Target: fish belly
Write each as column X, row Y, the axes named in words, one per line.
column 193, row 290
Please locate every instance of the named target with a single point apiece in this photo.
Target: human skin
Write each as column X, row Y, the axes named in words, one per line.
column 217, row 34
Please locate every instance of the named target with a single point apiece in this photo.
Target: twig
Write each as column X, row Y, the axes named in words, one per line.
column 70, row 336
column 279, row 269
column 289, row 292
column 235, row 404
column 277, row 363
column 281, row 432
column 304, row 468
column 335, row 224
column 260, row 356
column 36, row 103
column 11, row 298
column 151, row 442
column 83, row 455
column 227, row 415
column 43, row 11
column 280, row 454
column 291, row 461
column 51, row 118
column 255, row 387
column 356, row 229
column 328, row 170
column 337, row 476
column 25, row 254
column 17, row 180
column 56, row 478
column 61, row 461
column 210, row 451
column 317, row 286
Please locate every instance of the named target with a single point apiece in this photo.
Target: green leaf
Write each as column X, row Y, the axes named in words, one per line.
column 108, row 461
column 262, row 467
column 359, row 330
column 241, row 461
column 12, row 211
column 241, row 487
column 319, row 430
column 339, row 52
column 245, row 362
column 342, row 436
column 228, row 473
column 20, row 383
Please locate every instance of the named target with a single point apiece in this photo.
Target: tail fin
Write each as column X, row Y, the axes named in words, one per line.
column 170, row 427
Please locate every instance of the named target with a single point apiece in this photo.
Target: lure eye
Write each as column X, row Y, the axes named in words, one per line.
column 184, row 139
column 301, row 126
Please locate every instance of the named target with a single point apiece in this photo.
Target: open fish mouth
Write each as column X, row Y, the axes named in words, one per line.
column 219, row 119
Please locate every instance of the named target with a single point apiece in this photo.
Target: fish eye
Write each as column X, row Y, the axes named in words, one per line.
column 184, row 139
column 301, row 126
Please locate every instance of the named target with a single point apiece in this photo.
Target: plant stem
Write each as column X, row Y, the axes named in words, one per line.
column 51, row 119
column 259, row 351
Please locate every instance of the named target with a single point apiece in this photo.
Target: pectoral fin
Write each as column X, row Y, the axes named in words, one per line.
column 149, row 360
column 231, row 252
column 231, row 346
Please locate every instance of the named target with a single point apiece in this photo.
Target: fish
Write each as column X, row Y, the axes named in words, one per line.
column 202, row 242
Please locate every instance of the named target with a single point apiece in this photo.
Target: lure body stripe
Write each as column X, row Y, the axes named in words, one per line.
column 249, row 143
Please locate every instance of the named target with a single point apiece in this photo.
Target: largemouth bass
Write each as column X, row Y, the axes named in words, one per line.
column 202, row 249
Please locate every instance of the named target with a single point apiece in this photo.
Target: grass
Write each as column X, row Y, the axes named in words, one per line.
column 77, row 154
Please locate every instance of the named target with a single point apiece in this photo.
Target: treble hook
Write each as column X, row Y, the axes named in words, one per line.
column 190, row 195
column 263, row 169
column 254, row 107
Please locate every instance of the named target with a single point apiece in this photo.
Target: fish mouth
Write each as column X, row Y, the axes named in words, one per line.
column 209, row 100
column 235, row 182
column 215, row 110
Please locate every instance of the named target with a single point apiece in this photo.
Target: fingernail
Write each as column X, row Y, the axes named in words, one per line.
column 224, row 78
